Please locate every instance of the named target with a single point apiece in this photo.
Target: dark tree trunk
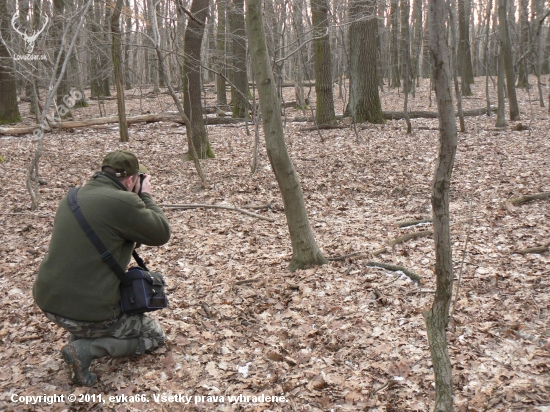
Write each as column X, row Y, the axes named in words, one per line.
column 508, row 60
column 119, row 73
column 192, row 79
column 221, row 54
column 438, row 316
column 324, row 114
column 9, row 111
column 464, row 52
column 240, row 78
column 364, row 102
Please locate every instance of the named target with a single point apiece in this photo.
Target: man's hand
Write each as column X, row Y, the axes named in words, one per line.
column 145, row 185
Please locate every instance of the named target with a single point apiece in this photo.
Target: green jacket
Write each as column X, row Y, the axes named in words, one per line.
column 73, row 281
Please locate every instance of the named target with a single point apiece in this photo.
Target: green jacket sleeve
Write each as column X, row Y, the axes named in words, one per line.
column 145, row 222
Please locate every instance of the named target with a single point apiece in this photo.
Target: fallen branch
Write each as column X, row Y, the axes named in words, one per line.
column 236, row 209
column 395, row 268
column 147, row 118
column 385, row 249
column 412, row 115
column 323, row 126
column 538, row 249
column 528, row 198
column 344, row 257
column 257, row 207
column 408, row 223
column 246, row 281
column 409, row 236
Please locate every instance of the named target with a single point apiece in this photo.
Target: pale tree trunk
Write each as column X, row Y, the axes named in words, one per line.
column 119, row 75
column 324, row 114
column 298, row 23
column 364, row 104
column 192, row 79
column 487, row 26
column 454, row 64
column 57, row 33
column 438, row 316
column 240, row 77
column 304, row 247
column 9, row 111
column 501, row 117
column 406, row 58
column 508, row 60
column 417, row 43
column 127, row 55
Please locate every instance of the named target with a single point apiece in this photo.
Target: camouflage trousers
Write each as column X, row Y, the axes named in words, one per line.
column 146, row 329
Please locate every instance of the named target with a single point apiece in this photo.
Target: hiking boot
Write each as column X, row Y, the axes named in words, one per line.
column 78, row 356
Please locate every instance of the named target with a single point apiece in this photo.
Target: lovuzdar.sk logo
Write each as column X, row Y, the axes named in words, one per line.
column 29, row 39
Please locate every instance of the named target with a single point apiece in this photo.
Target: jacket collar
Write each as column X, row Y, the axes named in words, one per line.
column 114, row 179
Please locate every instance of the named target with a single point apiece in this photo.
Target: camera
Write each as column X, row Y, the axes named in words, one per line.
column 141, row 179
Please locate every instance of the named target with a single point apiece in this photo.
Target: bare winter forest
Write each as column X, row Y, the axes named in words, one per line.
column 323, row 259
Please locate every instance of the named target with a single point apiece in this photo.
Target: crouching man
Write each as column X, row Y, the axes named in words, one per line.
column 77, row 290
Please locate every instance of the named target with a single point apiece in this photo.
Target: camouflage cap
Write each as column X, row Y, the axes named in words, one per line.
column 124, row 162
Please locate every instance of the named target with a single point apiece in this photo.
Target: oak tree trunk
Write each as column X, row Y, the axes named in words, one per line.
column 438, row 316
column 192, row 79
column 304, row 247
column 364, row 102
column 9, row 111
column 324, row 114
column 118, row 66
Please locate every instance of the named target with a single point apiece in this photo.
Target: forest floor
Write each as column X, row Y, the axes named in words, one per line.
column 339, row 337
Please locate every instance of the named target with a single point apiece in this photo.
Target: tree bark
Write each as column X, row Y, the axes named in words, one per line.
column 464, row 52
column 304, row 247
column 508, row 60
column 501, row 117
column 364, row 102
column 523, row 81
column 240, row 77
column 119, row 75
column 221, row 95
column 9, row 110
column 192, row 79
column 438, row 316
column 324, row 113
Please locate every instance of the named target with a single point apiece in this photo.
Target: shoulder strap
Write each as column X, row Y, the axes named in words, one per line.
column 103, row 251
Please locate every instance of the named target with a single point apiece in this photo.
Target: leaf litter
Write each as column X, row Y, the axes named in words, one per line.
column 343, row 336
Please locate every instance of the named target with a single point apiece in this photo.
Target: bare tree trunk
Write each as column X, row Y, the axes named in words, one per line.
column 221, row 95
column 304, row 247
column 508, row 60
column 501, row 117
column 405, row 42
column 119, row 75
column 9, row 111
column 192, row 79
column 240, row 77
column 364, row 105
column 324, row 113
column 454, row 64
column 524, row 49
column 438, row 316
column 487, row 26
column 464, row 52
column 57, row 29
column 395, row 67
